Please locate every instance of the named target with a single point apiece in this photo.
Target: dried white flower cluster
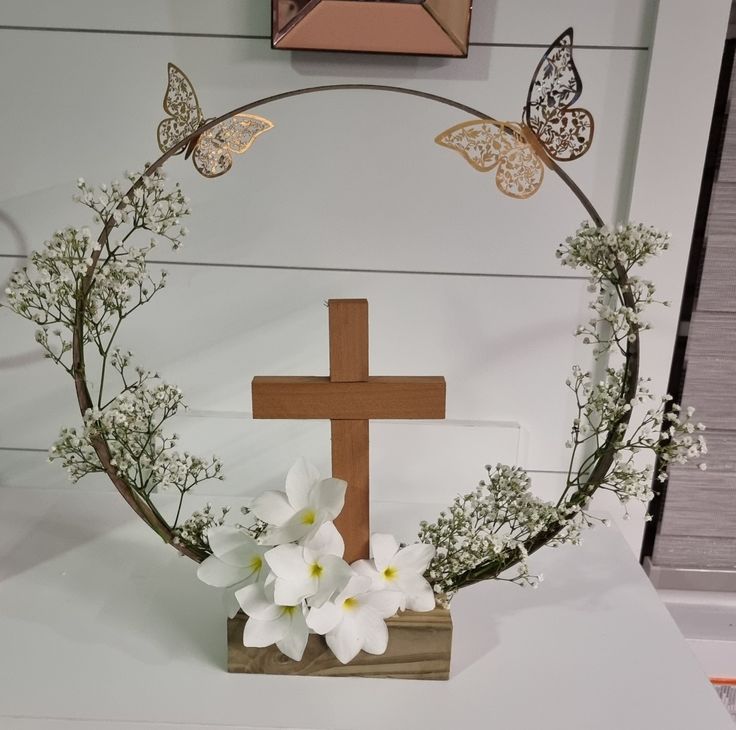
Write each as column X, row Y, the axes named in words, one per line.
column 150, row 206
column 46, row 294
column 193, row 530
column 109, row 279
column 497, row 526
column 618, row 304
column 600, row 410
column 490, row 523
column 603, row 406
column 681, row 440
column 602, row 249
column 132, row 426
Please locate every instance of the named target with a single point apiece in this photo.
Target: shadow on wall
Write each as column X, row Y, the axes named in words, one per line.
column 16, row 361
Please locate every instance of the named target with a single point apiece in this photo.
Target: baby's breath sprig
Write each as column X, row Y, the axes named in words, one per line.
column 193, row 530
column 493, row 521
column 495, row 528
column 77, row 287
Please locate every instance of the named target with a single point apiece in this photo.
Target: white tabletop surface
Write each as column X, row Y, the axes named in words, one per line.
column 101, row 626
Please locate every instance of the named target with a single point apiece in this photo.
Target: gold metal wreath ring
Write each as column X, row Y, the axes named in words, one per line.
column 149, row 514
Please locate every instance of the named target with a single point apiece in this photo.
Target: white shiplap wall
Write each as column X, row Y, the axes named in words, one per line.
column 348, row 197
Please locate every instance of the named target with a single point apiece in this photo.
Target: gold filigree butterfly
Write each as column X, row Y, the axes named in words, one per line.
column 551, row 129
column 212, row 151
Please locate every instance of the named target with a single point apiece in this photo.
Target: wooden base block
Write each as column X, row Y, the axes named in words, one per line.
column 419, row 647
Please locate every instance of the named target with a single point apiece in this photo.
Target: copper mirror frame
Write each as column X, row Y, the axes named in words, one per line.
column 409, row 27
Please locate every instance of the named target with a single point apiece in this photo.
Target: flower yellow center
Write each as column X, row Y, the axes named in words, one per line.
column 256, row 563
column 308, row 517
column 289, row 610
column 390, row 573
column 315, row 570
column 350, row 604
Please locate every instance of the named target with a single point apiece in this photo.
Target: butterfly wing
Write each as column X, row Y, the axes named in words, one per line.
column 565, row 133
column 212, row 155
column 487, row 144
column 520, row 171
column 182, row 106
column 481, row 142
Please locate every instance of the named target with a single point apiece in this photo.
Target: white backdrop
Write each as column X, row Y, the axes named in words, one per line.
column 347, row 197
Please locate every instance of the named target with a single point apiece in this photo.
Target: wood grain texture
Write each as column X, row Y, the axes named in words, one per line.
column 678, row 551
column 718, row 281
column 348, row 325
column 699, row 511
column 348, row 340
column 722, row 213
column 712, row 335
column 350, row 462
column 419, row 647
column 721, row 456
column 691, row 480
column 378, row 397
column 727, row 169
column 709, row 383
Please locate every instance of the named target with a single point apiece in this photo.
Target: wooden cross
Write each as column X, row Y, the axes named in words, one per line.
column 349, row 397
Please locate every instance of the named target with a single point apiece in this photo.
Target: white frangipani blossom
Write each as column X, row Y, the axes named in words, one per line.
column 314, row 570
column 356, row 619
column 306, row 505
column 270, row 623
column 236, row 561
column 400, row 569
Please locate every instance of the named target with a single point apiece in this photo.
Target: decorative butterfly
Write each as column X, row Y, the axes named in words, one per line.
column 551, row 129
column 212, row 150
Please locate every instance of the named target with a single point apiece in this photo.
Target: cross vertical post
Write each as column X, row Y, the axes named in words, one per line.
column 350, row 441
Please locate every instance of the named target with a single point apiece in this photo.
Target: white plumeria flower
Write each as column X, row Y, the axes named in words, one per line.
column 306, row 505
column 400, row 569
column 356, row 620
column 314, row 570
column 236, row 561
column 269, row 623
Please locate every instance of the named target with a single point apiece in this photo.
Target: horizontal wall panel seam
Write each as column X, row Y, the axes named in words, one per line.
column 37, row 450
column 278, row 267
column 190, row 34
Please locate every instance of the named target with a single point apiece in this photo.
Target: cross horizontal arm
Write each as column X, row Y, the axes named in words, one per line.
column 377, row 397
